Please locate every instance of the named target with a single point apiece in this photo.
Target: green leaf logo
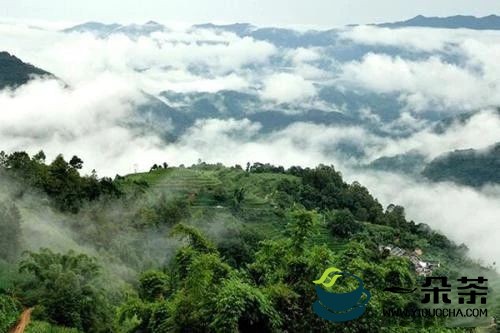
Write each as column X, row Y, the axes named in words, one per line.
column 326, row 276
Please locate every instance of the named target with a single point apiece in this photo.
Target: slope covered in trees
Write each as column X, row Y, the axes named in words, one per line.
column 14, row 72
column 468, row 167
column 205, row 248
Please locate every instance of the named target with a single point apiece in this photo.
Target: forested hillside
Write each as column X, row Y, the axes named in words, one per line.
column 205, row 248
column 468, row 167
column 14, row 72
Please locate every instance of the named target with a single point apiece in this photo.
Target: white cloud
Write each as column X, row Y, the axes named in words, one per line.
column 430, row 84
column 89, row 120
column 418, row 39
column 287, row 88
column 464, row 214
column 239, row 141
column 303, row 55
column 108, row 76
column 481, row 130
column 156, row 81
column 459, row 72
column 198, row 55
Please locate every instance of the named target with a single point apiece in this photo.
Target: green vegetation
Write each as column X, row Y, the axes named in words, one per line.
column 14, row 72
column 10, row 230
column 60, row 180
column 468, row 167
column 208, row 248
column 63, row 288
column 9, row 312
column 43, row 327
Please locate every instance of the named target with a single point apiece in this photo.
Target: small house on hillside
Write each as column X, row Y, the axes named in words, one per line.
column 422, row 267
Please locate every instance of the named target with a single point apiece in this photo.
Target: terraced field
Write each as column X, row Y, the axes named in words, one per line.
column 199, row 185
column 186, row 181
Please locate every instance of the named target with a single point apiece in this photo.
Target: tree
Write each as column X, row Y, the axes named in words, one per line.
column 40, row 157
column 9, row 312
column 238, row 197
column 301, row 227
column 3, row 159
column 240, row 307
column 395, row 216
column 173, row 211
column 66, row 290
column 10, row 231
column 195, row 238
column 64, row 184
column 76, row 162
column 154, row 285
column 361, row 203
column 343, row 224
column 322, row 186
column 18, row 161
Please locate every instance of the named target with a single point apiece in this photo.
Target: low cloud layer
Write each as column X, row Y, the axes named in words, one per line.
column 438, row 72
column 464, row 214
column 285, row 88
column 479, row 131
column 430, row 84
column 449, row 70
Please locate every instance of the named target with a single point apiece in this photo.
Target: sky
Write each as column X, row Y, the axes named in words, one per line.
column 324, row 13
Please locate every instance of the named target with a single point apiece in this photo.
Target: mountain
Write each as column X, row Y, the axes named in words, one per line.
column 467, row 167
column 210, row 239
column 171, row 114
column 228, row 104
column 103, row 30
column 14, row 72
column 137, row 30
column 277, row 36
column 333, row 44
column 408, row 163
column 287, row 37
column 240, row 29
column 96, row 28
column 491, row 22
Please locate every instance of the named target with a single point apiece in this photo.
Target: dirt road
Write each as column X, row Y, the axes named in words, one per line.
column 23, row 322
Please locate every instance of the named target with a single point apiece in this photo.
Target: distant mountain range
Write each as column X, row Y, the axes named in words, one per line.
column 277, row 36
column 467, row 167
column 241, row 29
column 180, row 111
column 491, row 22
column 288, row 37
column 170, row 114
column 409, row 163
column 14, row 72
column 104, row 30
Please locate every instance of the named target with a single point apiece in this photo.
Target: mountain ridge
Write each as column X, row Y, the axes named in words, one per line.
column 14, row 72
column 490, row 22
column 104, row 30
column 244, row 29
column 471, row 167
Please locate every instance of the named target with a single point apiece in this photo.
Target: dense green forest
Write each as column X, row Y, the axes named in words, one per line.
column 468, row 167
column 205, row 248
column 14, row 72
